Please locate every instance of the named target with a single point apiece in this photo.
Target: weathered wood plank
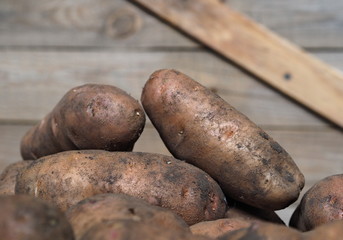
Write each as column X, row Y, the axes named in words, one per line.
column 308, row 23
column 33, row 82
column 119, row 23
column 274, row 60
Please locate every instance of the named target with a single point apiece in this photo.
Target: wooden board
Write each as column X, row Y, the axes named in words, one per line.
column 108, row 23
column 281, row 64
column 33, row 82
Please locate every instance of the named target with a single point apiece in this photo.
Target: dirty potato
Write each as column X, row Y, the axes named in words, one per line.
column 198, row 126
column 263, row 231
column 8, row 177
column 216, row 228
column 321, row 204
column 241, row 210
column 328, row 231
column 132, row 230
column 69, row 177
column 106, row 207
column 25, row 217
column 91, row 116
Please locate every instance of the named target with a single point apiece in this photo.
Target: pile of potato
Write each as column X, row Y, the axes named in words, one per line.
column 81, row 180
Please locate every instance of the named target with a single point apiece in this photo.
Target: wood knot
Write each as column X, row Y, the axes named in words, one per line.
column 123, row 23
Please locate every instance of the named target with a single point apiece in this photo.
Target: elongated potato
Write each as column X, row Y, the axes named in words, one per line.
column 8, row 177
column 69, row 177
column 241, row 210
column 107, row 207
column 321, row 204
column 263, row 231
column 198, row 126
column 27, row 218
column 91, row 116
column 217, row 228
column 132, row 230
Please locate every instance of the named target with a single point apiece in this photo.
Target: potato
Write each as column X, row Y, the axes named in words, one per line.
column 69, row 177
column 198, row 126
column 132, row 230
column 8, row 177
column 321, row 204
column 106, row 207
column 237, row 216
column 216, row 228
column 241, row 210
column 328, row 231
column 87, row 117
column 24, row 217
column 263, row 231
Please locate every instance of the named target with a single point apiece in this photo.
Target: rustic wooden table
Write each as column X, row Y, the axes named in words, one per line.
column 50, row 46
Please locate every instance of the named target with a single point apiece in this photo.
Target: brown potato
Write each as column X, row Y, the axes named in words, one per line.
column 91, row 116
column 241, row 210
column 106, row 207
column 198, row 126
column 24, row 217
column 132, row 230
column 216, row 228
column 329, row 231
column 321, row 204
column 8, row 177
column 69, row 177
column 263, row 231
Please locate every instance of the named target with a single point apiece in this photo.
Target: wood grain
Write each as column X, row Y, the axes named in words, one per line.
column 33, row 82
column 107, row 23
column 281, row 64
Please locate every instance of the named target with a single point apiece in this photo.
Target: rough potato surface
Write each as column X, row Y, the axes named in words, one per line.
column 91, row 116
column 329, row 231
column 263, row 231
column 8, row 177
column 132, row 230
column 69, row 177
column 198, row 126
column 216, row 228
column 241, row 210
column 27, row 218
column 106, row 207
column 321, row 204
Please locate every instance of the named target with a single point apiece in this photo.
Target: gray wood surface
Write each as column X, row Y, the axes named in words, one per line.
column 50, row 46
column 109, row 23
column 33, row 82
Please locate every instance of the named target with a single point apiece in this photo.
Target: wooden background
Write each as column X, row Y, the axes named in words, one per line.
column 50, row 46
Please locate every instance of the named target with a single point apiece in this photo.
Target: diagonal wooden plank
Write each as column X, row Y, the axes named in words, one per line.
column 273, row 59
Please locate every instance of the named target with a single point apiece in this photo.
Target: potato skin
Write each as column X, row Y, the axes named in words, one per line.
column 107, row 207
column 199, row 127
column 25, row 217
column 321, row 204
column 90, row 116
column 133, row 230
column 69, row 177
column 328, row 231
column 241, row 210
column 216, row 228
column 263, row 231
column 8, row 177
